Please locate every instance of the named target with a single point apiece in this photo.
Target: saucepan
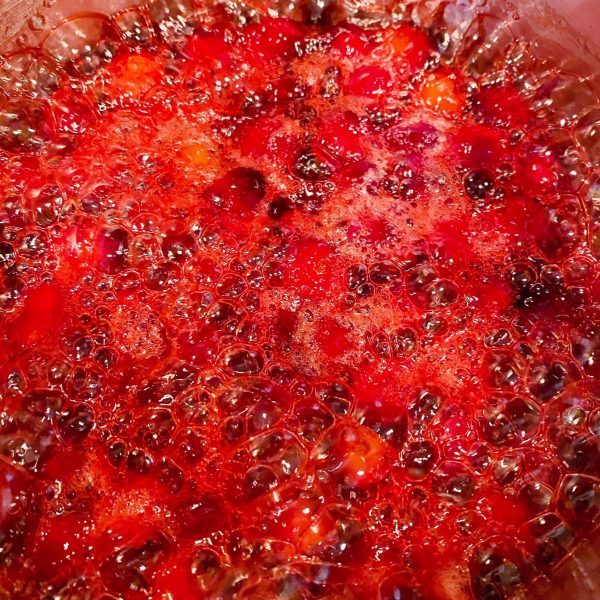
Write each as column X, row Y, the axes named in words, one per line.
column 557, row 41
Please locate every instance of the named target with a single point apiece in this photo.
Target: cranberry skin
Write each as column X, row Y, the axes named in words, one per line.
column 369, row 81
column 239, row 191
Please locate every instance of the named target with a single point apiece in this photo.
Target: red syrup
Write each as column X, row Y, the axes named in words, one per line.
column 290, row 312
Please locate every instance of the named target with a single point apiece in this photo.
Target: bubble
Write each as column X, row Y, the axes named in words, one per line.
column 536, row 496
column 479, row 185
column 579, row 270
column 310, row 166
column 381, row 344
column 553, row 539
column 356, row 276
column 280, row 450
column 207, row 568
column 259, row 480
column 139, row 461
column 510, row 421
column 240, row 360
column 562, row 232
column 134, row 28
column 77, row 422
column 579, row 500
column 548, row 379
column 404, row 341
column 238, row 398
column 585, row 346
column 440, row 293
column 334, row 536
column 27, row 448
column 453, row 482
column 171, row 475
column 386, row 421
column 425, row 405
column 502, row 369
column 384, row 272
column 221, row 313
column 312, row 419
column 177, row 245
column 231, row 286
column 352, row 457
column 234, row 429
column 24, row 126
column 521, row 276
column 337, row 397
column 419, row 458
column 365, row 291
column 112, row 249
column 241, row 189
column 579, row 452
column 7, row 255
column 19, row 510
column 129, row 569
column 116, row 452
column 156, row 428
column 508, row 469
column 190, row 445
column 44, row 402
column 493, row 575
column 263, row 416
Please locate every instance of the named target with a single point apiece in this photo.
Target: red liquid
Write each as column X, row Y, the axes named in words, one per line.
column 290, row 312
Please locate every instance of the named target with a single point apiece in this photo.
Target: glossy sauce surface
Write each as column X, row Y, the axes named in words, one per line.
column 289, row 311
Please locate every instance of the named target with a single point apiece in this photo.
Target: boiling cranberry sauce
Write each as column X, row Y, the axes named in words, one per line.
column 289, row 311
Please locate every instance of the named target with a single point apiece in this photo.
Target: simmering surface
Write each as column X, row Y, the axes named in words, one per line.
column 289, row 312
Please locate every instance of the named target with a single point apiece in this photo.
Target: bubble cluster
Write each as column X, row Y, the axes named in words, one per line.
column 290, row 309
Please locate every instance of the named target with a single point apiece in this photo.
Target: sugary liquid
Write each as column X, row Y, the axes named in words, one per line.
column 289, row 311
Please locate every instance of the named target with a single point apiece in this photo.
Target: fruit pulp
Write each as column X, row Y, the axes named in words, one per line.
column 290, row 311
